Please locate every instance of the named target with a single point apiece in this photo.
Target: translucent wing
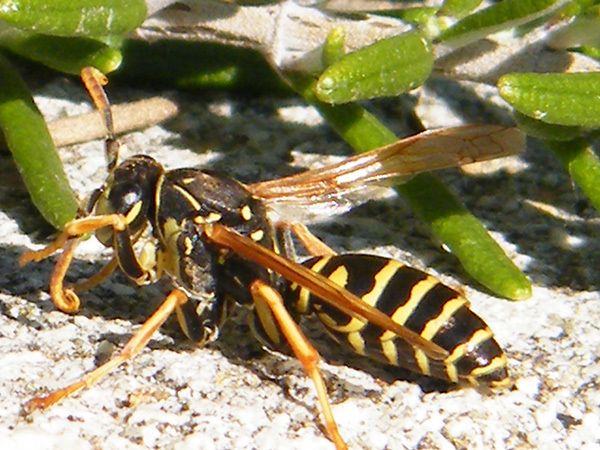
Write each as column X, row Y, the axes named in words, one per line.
column 328, row 291
column 430, row 150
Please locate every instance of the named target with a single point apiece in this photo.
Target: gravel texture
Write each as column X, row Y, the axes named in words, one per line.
column 232, row 395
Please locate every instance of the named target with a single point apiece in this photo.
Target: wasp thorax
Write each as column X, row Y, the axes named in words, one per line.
column 129, row 191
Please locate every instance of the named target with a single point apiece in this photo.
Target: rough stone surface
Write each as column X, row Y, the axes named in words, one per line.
column 232, row 395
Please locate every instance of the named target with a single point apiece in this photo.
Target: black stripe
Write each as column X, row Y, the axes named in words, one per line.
column 361, row 271
column 478, row 357
column 395, row 294
column 430, row 306
column 458, row 329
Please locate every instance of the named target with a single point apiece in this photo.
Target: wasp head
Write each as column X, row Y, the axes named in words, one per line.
column 130, row 191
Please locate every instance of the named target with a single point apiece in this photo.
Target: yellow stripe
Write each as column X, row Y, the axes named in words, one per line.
column 416, row 294
column 339, row 276
column 448, row 311
column 381, row 280
column 498, row 362
column 133, row 212
column 422, row 361
column 390, row 351
column 357, row 342
column 189, row 197
column 304, row 295
column 481, row 335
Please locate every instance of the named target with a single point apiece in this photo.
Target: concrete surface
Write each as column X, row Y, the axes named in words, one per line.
column 232, row 395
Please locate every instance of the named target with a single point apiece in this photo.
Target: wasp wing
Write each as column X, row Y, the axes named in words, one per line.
column 319, row 285
column 430, row 150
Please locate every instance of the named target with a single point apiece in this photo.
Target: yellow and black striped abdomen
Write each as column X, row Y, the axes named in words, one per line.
column 416, row 300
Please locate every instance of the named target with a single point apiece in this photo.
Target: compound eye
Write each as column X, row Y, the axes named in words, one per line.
column 126, row 199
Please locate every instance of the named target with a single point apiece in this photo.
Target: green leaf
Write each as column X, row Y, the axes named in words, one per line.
column 32, row 148
column 459, row 8
column 583, row 166
column 502, row 15
column 64, row 54
column 89, row 18
column 481, row 257
column 198, row 65
column 450, row 222
column 333, row 50
column 542, row 130
column 388, row 67
column 563, row 99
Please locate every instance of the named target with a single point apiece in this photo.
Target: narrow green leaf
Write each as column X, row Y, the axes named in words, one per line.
column 459, row 8
column 502, row 15
column 64, row 54
column 194, row 65
column 388, row 67
column 450, row 222
column 559, row 98
column 583, row 30
column 417, row 15
column 74, row 17
column 333, row 49
column 583, row 166
column 547, row 131
column 481, row 257
column 32, row 148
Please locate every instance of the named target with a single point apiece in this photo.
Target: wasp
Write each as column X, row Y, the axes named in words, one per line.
column 216, row 240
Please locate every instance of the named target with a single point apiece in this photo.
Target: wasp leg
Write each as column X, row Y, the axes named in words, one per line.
column 98, row 277
column 262, row 294
column 63, row 298
column 313, row 245
column 77, row 227
column 134, row 346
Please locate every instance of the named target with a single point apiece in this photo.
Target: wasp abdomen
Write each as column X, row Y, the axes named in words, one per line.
column 416, row 300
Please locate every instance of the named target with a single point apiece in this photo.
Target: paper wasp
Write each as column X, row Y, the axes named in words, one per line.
column 214, row 238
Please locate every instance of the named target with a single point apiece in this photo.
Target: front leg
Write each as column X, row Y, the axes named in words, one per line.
column 65, row 299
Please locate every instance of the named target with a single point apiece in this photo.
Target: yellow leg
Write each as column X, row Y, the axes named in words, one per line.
column 308, row 356
column 134, row 346
column 77, row 227
column 63, row 298
column 98, row 277
column 313, row 245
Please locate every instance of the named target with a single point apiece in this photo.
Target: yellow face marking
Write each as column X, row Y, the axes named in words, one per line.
column 357, row 342
column 481, row 335
column 448, row 311
column 246, row 213
column 403, row 313
column 189, row 197
column 257, row 235
column 133, row 212
column 199, row 220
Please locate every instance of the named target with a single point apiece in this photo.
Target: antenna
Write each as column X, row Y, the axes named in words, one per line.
column 94, row 80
